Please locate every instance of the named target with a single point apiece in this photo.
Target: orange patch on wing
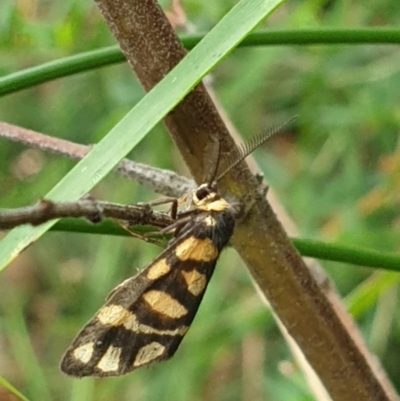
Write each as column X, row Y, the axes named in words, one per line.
column 158, row 269
column 148, row 353
column 199, row 250
column 195, row 281
column 84, row 352
column 114, row 315
column 163, row 303
column 110, row 360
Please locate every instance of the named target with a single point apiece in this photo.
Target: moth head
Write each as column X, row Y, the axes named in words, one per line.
column 206, row 198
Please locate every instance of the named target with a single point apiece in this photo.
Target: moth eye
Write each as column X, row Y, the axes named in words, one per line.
column 202, row 192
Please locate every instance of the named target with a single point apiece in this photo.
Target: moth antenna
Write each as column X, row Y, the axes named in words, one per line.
column 247, row 148
column 212, row 154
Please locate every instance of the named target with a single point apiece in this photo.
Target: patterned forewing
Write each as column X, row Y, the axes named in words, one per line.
column 146, row 317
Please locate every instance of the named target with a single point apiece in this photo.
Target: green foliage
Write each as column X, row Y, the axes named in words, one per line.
column 337, row 174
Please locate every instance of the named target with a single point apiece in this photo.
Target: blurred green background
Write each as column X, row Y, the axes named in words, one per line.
column 337, row 173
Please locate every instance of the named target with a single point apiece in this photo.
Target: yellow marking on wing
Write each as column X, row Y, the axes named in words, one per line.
column 163, row 303
column 144, row 328
column 158, row 270
column 199, row 250
column 110, row 360
column 116, row 315
column 210, row 221
column 195, row 281
column 84, row 352
column 113, row 315
column 148, row 353
column 210, row 204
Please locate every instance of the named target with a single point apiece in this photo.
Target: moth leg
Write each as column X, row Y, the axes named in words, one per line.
column 175, row 226
column 164, row 201
column 147, row 237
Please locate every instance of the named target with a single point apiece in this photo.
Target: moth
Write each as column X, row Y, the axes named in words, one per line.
column 146, row 317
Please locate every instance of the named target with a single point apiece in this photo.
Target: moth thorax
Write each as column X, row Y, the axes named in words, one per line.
column 207, row 199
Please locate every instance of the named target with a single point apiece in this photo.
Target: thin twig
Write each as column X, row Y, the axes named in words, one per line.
column 164, row 182
column 94, row 211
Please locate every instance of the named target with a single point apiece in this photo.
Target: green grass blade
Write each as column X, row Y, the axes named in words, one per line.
column 12, row 389
column 366, row 295
column 18, row 336
column 149, row 111
column 106, row 56
column 60, row 68
column 346, row 254
column 83, row 390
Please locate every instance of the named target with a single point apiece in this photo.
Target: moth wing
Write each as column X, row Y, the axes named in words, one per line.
column 146, row 316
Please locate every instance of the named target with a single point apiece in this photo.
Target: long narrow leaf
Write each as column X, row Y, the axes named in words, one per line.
column 6, row 384
column 106, row 56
